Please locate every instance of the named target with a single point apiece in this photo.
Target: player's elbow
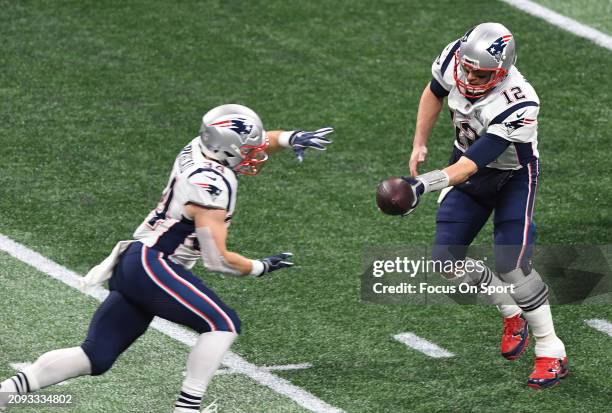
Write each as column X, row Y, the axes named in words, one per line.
column 461, row 170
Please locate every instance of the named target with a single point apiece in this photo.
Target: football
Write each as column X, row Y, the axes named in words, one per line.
column 394, row 196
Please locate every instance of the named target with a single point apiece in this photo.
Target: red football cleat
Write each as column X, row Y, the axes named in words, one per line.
column 548, row 372
column 515, row 337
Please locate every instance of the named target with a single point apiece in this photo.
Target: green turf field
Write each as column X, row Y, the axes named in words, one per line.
column 595, row 13
column 97, row 98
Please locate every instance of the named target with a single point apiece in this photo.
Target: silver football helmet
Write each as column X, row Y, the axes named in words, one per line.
column 488, row 47
column 233, row 135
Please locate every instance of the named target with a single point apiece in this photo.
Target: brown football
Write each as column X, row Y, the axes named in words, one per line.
column 394, row 196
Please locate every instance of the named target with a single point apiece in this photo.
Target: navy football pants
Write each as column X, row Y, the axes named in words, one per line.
column 461, row 216
column 146, row 284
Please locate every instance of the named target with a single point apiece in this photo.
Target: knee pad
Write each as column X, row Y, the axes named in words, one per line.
column 101, row 361
column 530, row 292
column 507, row 258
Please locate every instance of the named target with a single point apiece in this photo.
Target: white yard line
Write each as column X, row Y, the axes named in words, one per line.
column 422, row 345
column 286, row 367
column 601, row 325
column 563, row 22
column 232, row 361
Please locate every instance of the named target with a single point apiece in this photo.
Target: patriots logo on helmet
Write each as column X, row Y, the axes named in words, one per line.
column 518, row 123
column 240, row 126
column 497, row 47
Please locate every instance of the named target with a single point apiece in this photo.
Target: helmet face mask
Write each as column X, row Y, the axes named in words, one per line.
column 471, row 90
column 233, row 135
column 488, row 47
column 254, row 158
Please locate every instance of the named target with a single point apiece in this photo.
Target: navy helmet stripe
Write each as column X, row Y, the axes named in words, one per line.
column 229, row 188
column 502, row 116
column 449, row 56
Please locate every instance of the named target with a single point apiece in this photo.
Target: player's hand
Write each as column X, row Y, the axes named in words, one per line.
column 417, row 190
column 276, row 262
column 419, row 153
column 300, row 140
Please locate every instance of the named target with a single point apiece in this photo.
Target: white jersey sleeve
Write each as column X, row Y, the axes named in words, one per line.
column 206, row 188
column 442, row 67
column 517, row 124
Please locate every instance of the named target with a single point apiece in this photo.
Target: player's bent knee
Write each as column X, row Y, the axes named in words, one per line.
column 224, row 320
column 529, row 291
column 101, row 361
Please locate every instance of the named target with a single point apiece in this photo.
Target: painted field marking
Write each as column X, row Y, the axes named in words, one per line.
column 600, row 325
column 286, row 367
column 563, row 22
column 232, row 360
column 424, row 346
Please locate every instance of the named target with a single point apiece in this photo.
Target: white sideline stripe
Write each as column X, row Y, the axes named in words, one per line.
column 21, row 366
column 286, row 367
column 601, row 325
column 563, row 22
column 422, row 345
column 231, row 360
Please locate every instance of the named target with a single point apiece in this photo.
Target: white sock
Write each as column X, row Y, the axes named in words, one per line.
column 507, row 310
column 203, row 362
column 543, row 329
column 50, row 368
column 8, row 387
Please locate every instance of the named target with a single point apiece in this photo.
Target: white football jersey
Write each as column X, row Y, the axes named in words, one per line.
column 197, row 180
column 509, row 110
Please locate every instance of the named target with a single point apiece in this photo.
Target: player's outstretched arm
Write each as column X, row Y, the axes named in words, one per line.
column 299, row 140
column 436, row 180
column 481, row 153
column 211, row 230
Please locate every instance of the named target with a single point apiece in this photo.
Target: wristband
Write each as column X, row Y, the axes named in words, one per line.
column 434, row 180
column 284, row 138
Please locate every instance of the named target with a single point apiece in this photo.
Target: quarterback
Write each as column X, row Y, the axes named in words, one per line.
column 494, row 168
column 150, row 275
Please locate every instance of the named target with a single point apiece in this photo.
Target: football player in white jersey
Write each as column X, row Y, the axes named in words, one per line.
column 494, row 168
column 150, row 275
